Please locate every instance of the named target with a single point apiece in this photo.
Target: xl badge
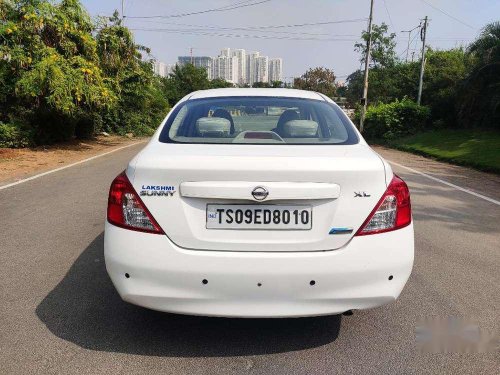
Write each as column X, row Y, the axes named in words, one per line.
column 157, row 190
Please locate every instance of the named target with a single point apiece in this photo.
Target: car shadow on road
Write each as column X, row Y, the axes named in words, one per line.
column 85, row 309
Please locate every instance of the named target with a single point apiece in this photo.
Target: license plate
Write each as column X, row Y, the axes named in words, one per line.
column 263, row 217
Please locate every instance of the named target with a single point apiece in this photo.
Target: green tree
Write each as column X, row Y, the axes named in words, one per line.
column 318, row 79
column 383, row 52
column 218, row 83
column 461, row 87
column 261, row 85
column 479, row 102
column 486, row 48
column 141, row 100
column 115, row 46
column 386, row 83
column 277, row 84
column 341, row 90
column 183, row 80
column 445, row 71
column 49, row 67
column 387, row 78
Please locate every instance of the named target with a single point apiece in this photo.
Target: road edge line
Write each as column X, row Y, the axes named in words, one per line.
column 448, row 183
column 2, row 187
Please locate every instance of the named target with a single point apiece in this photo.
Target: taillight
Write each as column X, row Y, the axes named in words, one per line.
column 393, row 210
column 126, row 209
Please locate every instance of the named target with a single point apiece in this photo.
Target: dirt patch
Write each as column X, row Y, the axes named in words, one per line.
column 16, row 164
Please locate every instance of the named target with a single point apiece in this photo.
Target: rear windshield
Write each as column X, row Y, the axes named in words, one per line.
column 258, row 120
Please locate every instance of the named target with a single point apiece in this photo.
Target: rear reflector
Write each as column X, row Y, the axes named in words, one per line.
column 393, row 210
column 126, row 209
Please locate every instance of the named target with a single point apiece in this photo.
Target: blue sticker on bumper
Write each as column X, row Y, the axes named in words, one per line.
column 340, row 231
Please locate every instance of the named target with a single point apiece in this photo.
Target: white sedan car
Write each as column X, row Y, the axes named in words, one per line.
column 258, row 203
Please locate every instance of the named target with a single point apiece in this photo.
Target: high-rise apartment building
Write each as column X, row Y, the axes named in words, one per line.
column 226, row 68
column 251, row 68
column 238, row 67
column 198, row 61
column 230, row 65
column 275, row 69
column 161, row 69
column 225, row 52
column 262, row 69
column 240, row 54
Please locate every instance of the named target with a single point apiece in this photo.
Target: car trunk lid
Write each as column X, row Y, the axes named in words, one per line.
column 340, row 184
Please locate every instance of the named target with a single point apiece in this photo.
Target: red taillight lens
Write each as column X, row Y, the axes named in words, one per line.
column 393, row 210
column 126, row 209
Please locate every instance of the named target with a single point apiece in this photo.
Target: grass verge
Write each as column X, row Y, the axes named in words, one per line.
column 479, row 149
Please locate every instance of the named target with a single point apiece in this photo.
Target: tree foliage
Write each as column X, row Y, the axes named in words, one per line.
column 219, row 83
column 317, row 79
column 185, row 79
column 141, row 101
column 479, row 102
column 445, row 72
column 486, row 48
column 383, row 52
column 273, row 84
column 461, row 86
column 188, row 78
column 62, row 75
column 386, row 84
column 261, row 85
column 49, row 67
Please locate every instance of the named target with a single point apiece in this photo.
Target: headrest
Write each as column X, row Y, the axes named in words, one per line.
column 300, row 128
column 213, row 127
column 287, row 115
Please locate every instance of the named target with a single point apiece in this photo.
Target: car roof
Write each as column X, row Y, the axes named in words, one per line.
column 276, row 92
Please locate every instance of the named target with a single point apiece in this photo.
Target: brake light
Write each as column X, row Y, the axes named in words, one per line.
column 126, row 209
column 393, row 210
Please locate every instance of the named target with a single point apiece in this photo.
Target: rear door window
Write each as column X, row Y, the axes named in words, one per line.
column 258, row 120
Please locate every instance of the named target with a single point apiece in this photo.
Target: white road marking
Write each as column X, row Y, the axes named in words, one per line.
column 448, row 184
column 68, row 166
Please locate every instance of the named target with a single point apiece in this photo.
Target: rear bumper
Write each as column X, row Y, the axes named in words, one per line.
column 165, row 277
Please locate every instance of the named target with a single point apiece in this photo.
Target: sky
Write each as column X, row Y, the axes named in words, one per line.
column 452, row 23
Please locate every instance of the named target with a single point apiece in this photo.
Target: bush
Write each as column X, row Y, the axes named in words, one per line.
column 11, row 135
column 396, row 119
column 87, row 125
column 63, row 76
column 135, row 123
column 50, row 126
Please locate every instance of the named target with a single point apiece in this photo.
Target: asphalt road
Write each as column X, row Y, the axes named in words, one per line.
column 59, row 312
